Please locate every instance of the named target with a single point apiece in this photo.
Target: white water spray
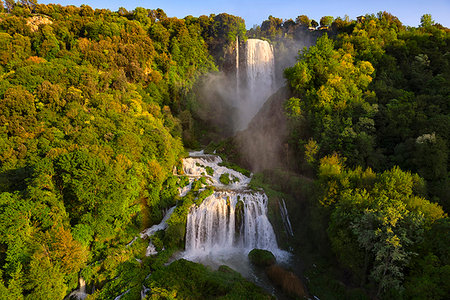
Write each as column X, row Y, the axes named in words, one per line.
column 238, row 79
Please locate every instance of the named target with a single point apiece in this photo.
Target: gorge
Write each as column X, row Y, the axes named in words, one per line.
column 337, row 153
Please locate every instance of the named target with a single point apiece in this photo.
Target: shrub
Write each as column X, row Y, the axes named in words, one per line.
column 209, row 170
column 225, row 178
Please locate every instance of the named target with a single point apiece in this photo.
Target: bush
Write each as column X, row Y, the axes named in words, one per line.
column 194, row 281
column 225, row 178
column 209, row 170
column 236, row 168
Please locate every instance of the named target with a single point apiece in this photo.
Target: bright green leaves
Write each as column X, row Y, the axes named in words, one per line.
column 331, row 87
column 376, row 220
column 311, row 150
column 92, row 194
column 293, row 107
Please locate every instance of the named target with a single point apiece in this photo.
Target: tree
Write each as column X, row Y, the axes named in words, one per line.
column 271, row 28
column 10, row 4
column 331, row 86
column 426, row 21
column 303, row 20
column 122, row 11
column 376, row 220
column 46, row 281
column 30, row 4
column 326, row 21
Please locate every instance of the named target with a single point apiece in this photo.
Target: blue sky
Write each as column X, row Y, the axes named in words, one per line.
column 256, row 11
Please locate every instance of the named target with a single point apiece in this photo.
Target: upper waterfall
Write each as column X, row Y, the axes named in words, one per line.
column 260, row 69
column 259, row 81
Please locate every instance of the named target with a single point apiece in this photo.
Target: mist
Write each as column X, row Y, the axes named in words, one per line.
column 247, row 103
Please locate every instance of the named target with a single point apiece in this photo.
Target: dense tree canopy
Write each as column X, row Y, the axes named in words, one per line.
column 368, row 105
column 88, row 137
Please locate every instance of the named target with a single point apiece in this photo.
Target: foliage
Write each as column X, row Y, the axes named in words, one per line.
column 376, row 220
column 326, row 21
column 426, row 20
column 225, row 178
column 209, row 170
column 200, row 283
column 333, row 100
column 410, row 88
column 88, row 139
column 235, row 167
column 220, row 33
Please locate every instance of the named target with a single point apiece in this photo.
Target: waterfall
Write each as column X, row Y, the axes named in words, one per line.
column 285, row 217
column 79, row 294
column 232, row 220
column 260, row 80
column 151, row 249
column 260, row 68
column 229, row 219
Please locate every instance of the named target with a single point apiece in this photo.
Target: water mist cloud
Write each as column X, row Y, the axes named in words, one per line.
column 236, row 102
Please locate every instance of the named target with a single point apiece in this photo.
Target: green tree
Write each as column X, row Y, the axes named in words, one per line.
column 303, row 20
column 426, row 20
column 376, row 221
column 331, row 86
column 326, row 21
column 10, row 4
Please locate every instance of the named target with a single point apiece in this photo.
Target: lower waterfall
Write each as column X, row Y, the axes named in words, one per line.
column 229, row 223
column 230, row 219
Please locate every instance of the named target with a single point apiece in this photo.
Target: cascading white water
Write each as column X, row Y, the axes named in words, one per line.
column 260, row 80
column 219, row 224
column 151, row 249
column 260, row 67
column 80, row 293
column 285, row 217
column 233, row 220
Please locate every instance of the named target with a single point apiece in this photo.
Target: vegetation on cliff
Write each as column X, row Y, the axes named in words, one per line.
column 89, row 139
column 369, row 104
column 95, row 107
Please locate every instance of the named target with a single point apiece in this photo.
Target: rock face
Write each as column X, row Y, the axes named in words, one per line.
column 35, row 21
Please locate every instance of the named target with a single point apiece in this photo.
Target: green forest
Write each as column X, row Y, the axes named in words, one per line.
column 98, row 107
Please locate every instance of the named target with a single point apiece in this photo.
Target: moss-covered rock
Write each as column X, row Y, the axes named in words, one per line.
column 261, row 258
column 209, row 170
